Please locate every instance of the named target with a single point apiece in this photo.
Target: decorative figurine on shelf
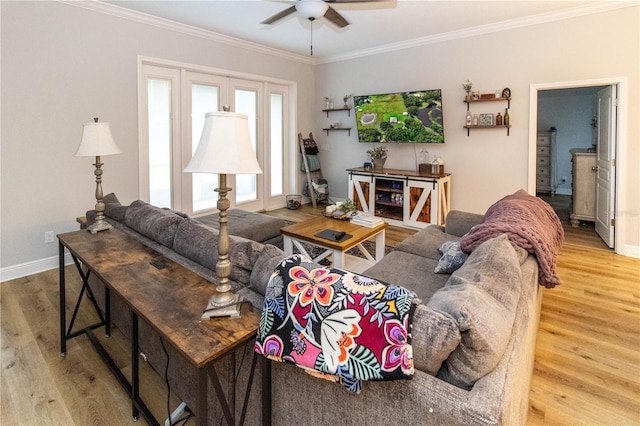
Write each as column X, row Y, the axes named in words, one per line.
column 506, row 93
column 346, row 98
column 328, row 103
column 467, row 85
column 424, row 162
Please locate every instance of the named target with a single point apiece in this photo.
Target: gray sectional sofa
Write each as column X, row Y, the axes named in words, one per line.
column 473, row 331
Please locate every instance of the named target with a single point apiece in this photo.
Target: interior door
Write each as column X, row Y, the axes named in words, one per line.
column 605, row 165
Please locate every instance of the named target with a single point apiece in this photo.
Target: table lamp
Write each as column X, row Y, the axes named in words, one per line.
column 97, row 141
column 224, row 148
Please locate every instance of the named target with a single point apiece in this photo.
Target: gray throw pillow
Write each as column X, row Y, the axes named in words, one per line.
column 434, row 336
column 263, row 268
column 153, row 222
column 199, row 243
column 452, row 258
column 113, row 208
column 482, row 297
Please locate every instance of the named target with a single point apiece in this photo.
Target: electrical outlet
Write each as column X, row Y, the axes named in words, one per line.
column 48, row 237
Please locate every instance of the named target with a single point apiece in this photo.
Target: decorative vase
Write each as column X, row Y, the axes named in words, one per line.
column 378, row 163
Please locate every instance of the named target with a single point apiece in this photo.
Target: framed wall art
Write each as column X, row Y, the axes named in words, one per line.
column 485, row 120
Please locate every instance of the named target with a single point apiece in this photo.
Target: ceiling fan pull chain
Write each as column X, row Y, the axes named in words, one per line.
column 311, row 20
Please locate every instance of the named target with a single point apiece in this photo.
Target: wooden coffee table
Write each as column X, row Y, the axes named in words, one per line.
column 305, row 232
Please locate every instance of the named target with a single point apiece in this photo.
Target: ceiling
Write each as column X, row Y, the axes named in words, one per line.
column 374, row 26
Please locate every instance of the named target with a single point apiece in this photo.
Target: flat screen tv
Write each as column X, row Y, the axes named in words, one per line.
column 409, row 117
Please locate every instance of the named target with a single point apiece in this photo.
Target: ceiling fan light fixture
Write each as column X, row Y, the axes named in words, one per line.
column 312, row 9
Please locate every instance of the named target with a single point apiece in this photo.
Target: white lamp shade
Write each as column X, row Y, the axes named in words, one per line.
column 312, row 8
column 97, row 140
column 225, row 146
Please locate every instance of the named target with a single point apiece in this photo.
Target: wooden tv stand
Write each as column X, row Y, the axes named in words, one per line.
column 401, row 197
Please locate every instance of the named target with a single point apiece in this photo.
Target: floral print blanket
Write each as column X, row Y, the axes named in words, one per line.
column 335, row 324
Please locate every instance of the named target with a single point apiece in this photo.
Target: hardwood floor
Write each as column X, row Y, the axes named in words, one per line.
column 587, row 362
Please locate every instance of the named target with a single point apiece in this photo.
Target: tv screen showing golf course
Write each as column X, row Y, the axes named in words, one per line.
column 409, row 117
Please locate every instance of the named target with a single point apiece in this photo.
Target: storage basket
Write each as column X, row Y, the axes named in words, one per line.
column 294, row 202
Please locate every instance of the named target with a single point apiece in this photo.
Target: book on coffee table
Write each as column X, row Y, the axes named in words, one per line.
column 364, row 219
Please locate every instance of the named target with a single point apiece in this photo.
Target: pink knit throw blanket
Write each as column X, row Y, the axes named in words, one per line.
column 530, row 223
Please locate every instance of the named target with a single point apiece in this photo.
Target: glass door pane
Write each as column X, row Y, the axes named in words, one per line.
column 246, row 102
column 159, row 119
column 203, row 99
column 276, row 145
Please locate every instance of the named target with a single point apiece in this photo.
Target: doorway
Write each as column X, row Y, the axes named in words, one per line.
column 575, row 124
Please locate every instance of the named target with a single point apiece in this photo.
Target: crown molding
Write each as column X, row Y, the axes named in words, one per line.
column 121, row 12
column 143, row 18
column 597, row 7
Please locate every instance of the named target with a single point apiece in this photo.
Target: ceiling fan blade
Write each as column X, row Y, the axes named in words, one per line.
column 351, row 1
column 333, row 16
column 288, row 11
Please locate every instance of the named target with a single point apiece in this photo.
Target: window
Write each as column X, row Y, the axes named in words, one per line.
column 173, row 102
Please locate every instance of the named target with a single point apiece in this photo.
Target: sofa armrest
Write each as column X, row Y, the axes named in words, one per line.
column 459, row 223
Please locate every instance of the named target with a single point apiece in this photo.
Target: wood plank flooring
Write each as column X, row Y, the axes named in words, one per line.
column 587, row 363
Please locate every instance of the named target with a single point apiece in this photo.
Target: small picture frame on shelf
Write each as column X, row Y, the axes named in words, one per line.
column 485, row 119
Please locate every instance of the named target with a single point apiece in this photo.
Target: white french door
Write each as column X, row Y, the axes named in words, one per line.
column 247, row 99
column 173, row 102
column 203, row 93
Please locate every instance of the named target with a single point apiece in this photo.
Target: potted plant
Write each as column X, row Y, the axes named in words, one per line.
column 346, row 98
column 378, row 156
column 467, row 85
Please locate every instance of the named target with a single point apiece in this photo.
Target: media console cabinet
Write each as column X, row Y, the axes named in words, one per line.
column 401, row 197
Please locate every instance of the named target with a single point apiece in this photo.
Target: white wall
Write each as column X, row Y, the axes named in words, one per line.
column 63, row 65
column 488, row 164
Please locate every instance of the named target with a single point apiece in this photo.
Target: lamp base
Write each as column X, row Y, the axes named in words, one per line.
column 98, row 226
column 230, row 308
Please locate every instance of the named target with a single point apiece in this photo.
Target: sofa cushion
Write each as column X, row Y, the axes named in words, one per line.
column 153, row 222
column 482, row 297
column 252, row 226
column 269, row 258
column 113, row 208
column 452, row 257
column 199, row 243
column 459, row 223
column 426, row 242
column 410, row 271
column 434, row 336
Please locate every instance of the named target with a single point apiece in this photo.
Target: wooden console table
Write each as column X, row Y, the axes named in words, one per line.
column 167, row 296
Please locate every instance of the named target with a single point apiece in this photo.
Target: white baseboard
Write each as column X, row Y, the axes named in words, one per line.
column 631, row 251
column 34, row 267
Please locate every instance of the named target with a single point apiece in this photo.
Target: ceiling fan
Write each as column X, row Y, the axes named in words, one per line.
column 315, row 9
